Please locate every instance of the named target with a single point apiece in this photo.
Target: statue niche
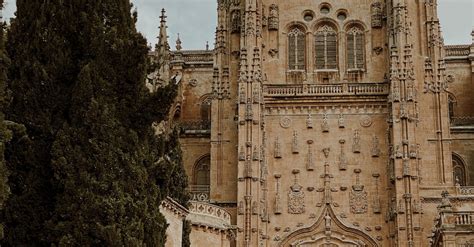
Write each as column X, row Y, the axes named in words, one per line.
column 273, row 19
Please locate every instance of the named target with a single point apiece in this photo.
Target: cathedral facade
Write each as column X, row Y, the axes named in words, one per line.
column 326, row 123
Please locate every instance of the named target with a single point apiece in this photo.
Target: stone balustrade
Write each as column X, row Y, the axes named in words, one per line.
column 209, row 210
column 464, row 218
column 340, row 89
column 199, row 192
column 462, row 121
column 465, row 190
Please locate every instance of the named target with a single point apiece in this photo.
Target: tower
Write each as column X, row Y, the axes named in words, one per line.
column 329, row 122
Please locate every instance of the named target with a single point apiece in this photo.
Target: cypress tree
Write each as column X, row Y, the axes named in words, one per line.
column 93, row 171
column 5, row 135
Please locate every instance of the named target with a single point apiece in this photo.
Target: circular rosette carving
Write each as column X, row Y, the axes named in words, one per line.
column 366, row 121
column 285, row 122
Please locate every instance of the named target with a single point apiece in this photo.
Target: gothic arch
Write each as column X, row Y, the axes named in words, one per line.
column 459, row 170
column 201, row 171
column 355, row 46
column 293, row 24
column 451, row 104
column 325, row 21
column 328, row 229
column 205, row 107
column 326, row 45
column 356, row 23
column 296, row 48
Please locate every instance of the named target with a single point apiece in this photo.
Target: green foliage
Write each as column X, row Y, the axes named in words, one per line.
column 186, row 242
column 5, row 135
column 88, row 168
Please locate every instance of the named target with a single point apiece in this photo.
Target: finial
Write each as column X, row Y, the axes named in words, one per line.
column 163, row 16
column 207, row 45
column 178, row 44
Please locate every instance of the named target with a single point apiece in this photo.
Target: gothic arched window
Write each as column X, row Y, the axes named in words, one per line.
column 459, row 171
column 451, row 102
column 326, row 48
column 206, row 109
column 201, row 173
column 355, row 48
column 296, row 49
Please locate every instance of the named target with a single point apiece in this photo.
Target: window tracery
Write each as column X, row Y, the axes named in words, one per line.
column 355, row 48
column 296, row 49
column 326, row 48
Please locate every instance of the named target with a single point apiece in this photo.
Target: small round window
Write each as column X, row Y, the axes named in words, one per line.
column 308, row 15
column 324, row 10
column 341, row 16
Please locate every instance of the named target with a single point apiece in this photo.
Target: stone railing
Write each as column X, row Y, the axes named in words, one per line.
column 209, row 210
column 464, row 218
column 199, row 192
column 193, row 56
column 465, row 190
column 462, row 121
column 195, row 125
column 341, row 89
column 457, row 50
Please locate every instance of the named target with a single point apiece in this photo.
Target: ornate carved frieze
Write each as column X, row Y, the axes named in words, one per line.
column 358, row 197
column 296, row 197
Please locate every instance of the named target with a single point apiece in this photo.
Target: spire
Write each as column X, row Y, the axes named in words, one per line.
column 162, row 47
column 178, row 44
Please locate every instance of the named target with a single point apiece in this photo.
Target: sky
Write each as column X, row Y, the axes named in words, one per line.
column 195, row 20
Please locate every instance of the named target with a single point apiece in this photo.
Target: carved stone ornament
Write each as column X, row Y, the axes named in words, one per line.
column 309, row 121
column 242, row 99
column 341, row 121
column 310, row 159
column 235, row 21
column 277, row 205
column 375, row 147
column 241, row 154
column 296, row 196
column 193, row 82
column 285, row 122
column 277, row 151
column 358, row 197
column 366, row 121
column 356, row 142
column 325, row 124
column 342, row 156
column 326, row 152
column 295, row 146
column 376, row 14
column 273, row 18
column 241, row 208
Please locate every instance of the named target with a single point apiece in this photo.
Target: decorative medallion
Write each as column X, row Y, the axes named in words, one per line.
column 285, row 122
column 193, row 82
column 366, row 121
